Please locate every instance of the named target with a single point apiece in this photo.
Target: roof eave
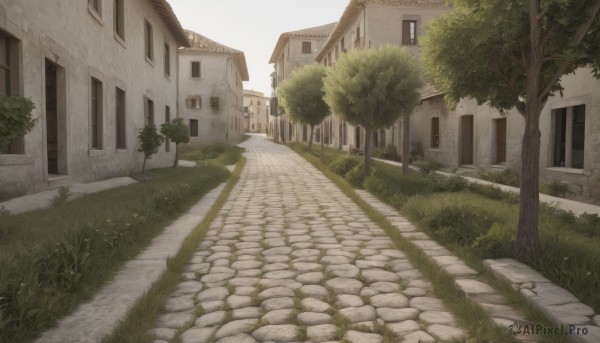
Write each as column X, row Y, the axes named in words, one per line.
column 170, row 19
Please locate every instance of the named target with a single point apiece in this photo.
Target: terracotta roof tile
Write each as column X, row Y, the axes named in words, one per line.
column 321, row 32
column 170, row 19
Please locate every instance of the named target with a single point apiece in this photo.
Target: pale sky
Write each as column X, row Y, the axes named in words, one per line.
column 254, row 26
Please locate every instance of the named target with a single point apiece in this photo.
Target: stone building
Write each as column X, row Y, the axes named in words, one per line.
column 371, row 24
column 293, row 50
column 256, row 111
column 210, row 90
column 97, row 71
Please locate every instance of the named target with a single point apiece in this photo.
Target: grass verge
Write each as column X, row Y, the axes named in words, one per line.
column 142, row 316
column 469, row 315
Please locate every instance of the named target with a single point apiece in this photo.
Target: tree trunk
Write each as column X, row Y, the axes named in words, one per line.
column 368, row 134
column 176, row 162
column 527, row 244
column 321, row 140
column 405, row 144
column 144, row 165
column 310, row 139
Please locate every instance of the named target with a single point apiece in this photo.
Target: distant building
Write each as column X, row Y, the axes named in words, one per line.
column 210, row 90
column 97, row 71
column 293, row 50
column 256, row 111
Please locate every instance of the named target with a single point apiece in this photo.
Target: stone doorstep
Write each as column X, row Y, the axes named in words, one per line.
column 559, row 305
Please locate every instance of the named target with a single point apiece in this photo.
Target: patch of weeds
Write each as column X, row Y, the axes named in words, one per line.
column 199, row 311
column 388, row 335
column 341, row 324
column 61, row 198
column 228, row 316
column 366, row 299
column 230, row 287
column 554, row 188
column 254, row 298
column 301, row 334
column 361, row 278
column 508, row 177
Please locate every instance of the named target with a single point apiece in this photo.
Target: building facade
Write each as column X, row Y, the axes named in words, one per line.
column 210, row 90
column 256, row 112
column 97, row 71
column 293, row 50
column 371, row 24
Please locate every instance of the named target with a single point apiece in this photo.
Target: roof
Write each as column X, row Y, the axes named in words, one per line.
column 355, row 7
column 429, row 91
column 170, row 19
column 200, row 44
column 322, row 31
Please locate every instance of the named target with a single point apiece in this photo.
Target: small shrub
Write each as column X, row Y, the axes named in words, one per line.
column 378, row 153
column 356, row 176
column 62, row 196
column 460, row 223
column 416, row 151
column 508, row 177
column 496, row 243
column 429, row 167
column 441, row 183
column 343, row 164
column 390, row 153
column 554, row 188
column 488, row 191
column 588, row 225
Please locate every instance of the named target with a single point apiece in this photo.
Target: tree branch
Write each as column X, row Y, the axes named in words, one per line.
column 582, row 30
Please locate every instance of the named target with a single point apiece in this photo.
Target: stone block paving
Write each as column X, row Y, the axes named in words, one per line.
column 290, row 258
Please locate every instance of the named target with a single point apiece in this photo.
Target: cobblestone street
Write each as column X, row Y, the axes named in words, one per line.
column 291, row 258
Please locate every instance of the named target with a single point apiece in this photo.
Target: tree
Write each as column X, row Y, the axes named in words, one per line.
column 302, row 97
column 373, row 88
column 178, row 133
column 15, row 119
column 512, row 54
column 150, row 140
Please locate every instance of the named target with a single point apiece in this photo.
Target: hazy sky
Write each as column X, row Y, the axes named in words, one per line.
column 254, row 26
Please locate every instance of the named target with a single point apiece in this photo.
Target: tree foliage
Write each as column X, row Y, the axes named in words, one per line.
column 373, row 88
column 15, row 119
column 178, row 132
column 150, row 140
column 302, row 97
column 513, row 53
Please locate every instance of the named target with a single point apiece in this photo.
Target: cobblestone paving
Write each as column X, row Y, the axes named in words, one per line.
column 290, row 258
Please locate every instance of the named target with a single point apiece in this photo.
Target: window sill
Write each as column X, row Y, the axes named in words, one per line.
column 14, row 160
column 566, row 170
column 95, row 14
column 120, row 40
column 96, row 152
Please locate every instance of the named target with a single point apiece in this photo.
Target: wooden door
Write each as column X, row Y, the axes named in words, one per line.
column 501, row 140
column 466, row 132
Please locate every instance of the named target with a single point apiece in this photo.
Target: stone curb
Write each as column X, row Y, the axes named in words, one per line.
column 91, row 321
column 558, row 304
column 465, row 277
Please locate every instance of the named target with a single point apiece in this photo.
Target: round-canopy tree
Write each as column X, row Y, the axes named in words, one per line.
column 302, row 97
column 15, row 119
column 177, row 132
column 373, row 88
column 150, row 140
column 512, row 54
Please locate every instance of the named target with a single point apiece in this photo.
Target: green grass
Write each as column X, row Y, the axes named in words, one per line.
column 508, row 177
column 219, row 153
column 142, row 316
column 55, row 258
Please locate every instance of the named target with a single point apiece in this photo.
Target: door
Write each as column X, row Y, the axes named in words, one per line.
column 51, row 118
column 500, row 140
column 466, row 140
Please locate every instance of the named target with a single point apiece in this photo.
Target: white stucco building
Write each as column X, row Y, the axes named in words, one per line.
column 256, row 111
column 210, row 90
column 97, row 71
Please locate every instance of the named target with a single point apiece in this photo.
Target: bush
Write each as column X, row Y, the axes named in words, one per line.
column 460, row 223
column 554, row 188
column 429, row 167
column 441, row 183
column 356, row 176
column 390, row 153
column 341, row 165
column 508, row 177
column 496, row 243
column 378, row 153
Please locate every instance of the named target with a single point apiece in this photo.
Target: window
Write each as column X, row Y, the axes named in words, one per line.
column 435, row 132
column 409, row 32
column 167, row 120
column 149, row 41
column 120, row 120
column 5, row 65
column 196, row 69
column 167, row 60
column 149, row 112
column 193, row 128
column 306, row 48
column 342, row 46
column 120, row 18
column 569, row 137
column 96, row 5
column 193, row 102
column 96, row 114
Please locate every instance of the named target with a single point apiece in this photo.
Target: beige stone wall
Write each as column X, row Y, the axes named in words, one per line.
column 84, row 45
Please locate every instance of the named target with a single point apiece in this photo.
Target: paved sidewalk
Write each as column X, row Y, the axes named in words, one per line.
column 290, row 258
